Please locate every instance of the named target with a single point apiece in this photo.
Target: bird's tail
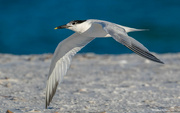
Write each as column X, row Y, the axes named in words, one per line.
column 133, row 29
column 128, row 29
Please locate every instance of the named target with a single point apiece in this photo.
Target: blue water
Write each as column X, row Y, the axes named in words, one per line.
column 27, row 26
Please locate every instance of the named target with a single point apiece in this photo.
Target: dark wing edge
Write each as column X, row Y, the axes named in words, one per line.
column 120, row 35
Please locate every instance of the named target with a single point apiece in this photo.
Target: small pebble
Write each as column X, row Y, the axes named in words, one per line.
column 8, row 111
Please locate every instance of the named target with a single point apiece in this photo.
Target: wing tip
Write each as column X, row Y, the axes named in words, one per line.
column 50, row 94
column 46, row 102
column 159, row 61
column 154, row 59
column 46, row 106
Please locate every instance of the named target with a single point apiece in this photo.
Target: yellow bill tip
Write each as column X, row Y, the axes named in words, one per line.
column 56, row 28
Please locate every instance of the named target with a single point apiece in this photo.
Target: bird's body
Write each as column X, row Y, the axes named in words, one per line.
column 85, row 32
column 91, row 28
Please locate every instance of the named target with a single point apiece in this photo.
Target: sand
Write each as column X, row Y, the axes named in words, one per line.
column 93, row 84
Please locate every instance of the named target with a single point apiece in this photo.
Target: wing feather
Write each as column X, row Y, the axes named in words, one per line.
column 61, row 61
column 120, row 35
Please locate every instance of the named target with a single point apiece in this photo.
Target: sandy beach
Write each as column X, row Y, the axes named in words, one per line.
column 93, row 84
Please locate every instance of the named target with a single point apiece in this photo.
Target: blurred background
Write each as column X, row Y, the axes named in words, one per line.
column 27, row 26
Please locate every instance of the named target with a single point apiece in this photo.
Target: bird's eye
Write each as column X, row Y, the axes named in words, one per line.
column 73, row 23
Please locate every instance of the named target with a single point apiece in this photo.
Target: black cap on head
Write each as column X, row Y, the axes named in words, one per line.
column 72, row 22
column 77, row 21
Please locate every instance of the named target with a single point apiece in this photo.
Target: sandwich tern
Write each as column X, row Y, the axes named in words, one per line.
column 85, row 32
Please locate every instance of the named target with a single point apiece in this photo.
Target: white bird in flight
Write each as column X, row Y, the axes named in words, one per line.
column 85, row 32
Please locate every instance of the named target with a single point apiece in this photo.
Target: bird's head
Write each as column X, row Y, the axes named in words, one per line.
column 75, row 25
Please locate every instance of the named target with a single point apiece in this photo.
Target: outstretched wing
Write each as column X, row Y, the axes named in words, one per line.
column 120, row 35
column 61, row 61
